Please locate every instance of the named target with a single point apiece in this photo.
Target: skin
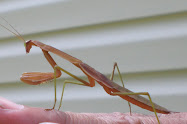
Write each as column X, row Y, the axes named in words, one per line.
column 11, row 112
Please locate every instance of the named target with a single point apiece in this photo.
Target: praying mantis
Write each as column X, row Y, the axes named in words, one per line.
column 111, row 88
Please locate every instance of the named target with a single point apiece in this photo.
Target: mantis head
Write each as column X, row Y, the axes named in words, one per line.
column 28, row 45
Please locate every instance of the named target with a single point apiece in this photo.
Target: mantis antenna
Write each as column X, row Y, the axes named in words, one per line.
column 18, row 35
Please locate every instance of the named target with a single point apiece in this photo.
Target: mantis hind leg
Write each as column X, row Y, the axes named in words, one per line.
column 54, row 88
column 112, row 76
column 140, row 93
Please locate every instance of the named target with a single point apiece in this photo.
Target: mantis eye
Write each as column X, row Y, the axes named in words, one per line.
column 24, row 44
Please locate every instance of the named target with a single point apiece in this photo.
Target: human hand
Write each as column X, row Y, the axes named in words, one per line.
column 12, row 113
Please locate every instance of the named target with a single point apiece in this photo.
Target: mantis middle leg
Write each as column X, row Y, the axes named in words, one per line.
column 81, row 82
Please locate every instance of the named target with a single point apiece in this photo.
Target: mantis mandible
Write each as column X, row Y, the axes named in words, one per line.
column 112, row 88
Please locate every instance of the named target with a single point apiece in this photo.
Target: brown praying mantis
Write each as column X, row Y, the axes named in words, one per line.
column 112, row 88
